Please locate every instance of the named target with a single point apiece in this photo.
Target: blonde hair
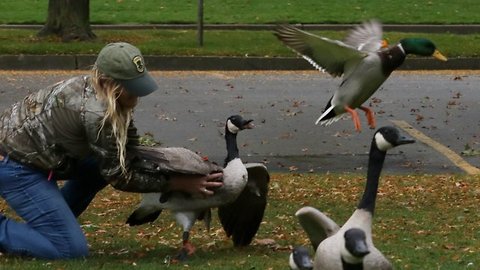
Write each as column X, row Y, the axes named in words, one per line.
column 109, row 90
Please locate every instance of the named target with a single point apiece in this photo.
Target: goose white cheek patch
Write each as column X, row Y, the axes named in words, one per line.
column 382, row 143
column 234, row 129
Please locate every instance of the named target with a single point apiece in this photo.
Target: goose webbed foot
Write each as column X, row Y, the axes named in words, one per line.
column 370, row 116
column 355, row 118
column 187, row 250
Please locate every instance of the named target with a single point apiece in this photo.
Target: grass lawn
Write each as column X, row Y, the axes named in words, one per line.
column 421, row 222
column 216, row 43
column 256, row 11
column 234, row 43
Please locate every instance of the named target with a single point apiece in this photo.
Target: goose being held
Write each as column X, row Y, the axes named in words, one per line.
column 361, row 60
column 351, row 246
column 241, row 200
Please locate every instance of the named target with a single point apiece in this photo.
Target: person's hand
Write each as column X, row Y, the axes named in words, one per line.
column 197, row 185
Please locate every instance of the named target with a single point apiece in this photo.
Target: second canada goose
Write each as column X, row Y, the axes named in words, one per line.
column 343, row 248
column 241, row 200
column 300, row 259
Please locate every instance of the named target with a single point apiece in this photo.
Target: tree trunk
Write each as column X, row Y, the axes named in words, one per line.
column 69, row 20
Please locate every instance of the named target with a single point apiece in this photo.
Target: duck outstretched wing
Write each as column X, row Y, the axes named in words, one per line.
column 241, row 218
column 323, row 53
column 366, row 37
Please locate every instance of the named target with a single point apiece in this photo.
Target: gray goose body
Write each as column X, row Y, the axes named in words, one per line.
column 235, row 177
column 330, row 241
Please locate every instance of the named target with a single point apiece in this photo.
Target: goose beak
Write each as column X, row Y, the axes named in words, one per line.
column 439, row 56
column 405, row 140
column 248, row 124
column 299, row 259
column 361, row 250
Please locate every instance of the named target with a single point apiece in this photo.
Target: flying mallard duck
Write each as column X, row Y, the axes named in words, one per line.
column 365, row 65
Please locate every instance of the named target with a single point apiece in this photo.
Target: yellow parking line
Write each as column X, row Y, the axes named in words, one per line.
column 452, row 156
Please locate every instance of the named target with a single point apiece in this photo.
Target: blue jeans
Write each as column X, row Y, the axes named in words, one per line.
column 50, row 229
column 80, row 190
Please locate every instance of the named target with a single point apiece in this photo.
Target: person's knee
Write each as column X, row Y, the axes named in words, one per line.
column 74, row 247
column 81, row 251
column 78, row 249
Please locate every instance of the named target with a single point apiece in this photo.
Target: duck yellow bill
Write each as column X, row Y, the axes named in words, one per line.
column 439, row 56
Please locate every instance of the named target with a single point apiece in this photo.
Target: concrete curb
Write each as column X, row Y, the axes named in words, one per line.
column 83, row 62
column 75, row 62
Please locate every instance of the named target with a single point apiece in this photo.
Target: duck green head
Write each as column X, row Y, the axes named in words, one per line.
column 421, row 46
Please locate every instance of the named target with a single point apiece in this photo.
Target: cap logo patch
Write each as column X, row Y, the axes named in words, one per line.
column 138, row 61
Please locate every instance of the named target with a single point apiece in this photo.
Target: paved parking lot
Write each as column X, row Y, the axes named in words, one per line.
column 191, row 107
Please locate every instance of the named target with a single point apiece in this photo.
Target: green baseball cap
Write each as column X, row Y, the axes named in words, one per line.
column 124, row 63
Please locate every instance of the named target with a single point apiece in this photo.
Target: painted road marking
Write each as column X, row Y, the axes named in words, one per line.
column 447, row 152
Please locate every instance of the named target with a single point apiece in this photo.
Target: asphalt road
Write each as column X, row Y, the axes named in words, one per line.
column 191, row 107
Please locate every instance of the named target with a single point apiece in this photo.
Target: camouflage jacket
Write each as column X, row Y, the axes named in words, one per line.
column 53, row 128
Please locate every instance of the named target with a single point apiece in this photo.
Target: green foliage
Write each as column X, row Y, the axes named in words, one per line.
column 233, row 43
column 217, row 43
column 148, row 140
column 469, row 151
column 256, row 11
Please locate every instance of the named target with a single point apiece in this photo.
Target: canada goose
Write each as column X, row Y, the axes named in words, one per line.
column 355, row 250
column 300, row 259
column 241, row 200
column 360, row 59
column 343, row 248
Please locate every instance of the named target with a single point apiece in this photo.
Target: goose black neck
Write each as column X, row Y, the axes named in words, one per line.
column 351, row 266
column 375, row 165
column 232, row 149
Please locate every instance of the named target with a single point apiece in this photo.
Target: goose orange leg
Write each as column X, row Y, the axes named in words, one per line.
column 355, row 118
column 187, row 250
column 370, row 116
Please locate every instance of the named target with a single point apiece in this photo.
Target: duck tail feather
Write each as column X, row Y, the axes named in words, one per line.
column 324, row 115
column 330, row 121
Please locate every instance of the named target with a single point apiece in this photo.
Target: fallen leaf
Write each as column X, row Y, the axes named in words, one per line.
column 265, row 242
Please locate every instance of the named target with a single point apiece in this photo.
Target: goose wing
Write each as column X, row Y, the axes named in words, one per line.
column 241, row 218
column 174, row 159
column 323, row 53
column 147, row 211
column 366, row 37
column 316, row 225
column 376, row 260
column 143, row 215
